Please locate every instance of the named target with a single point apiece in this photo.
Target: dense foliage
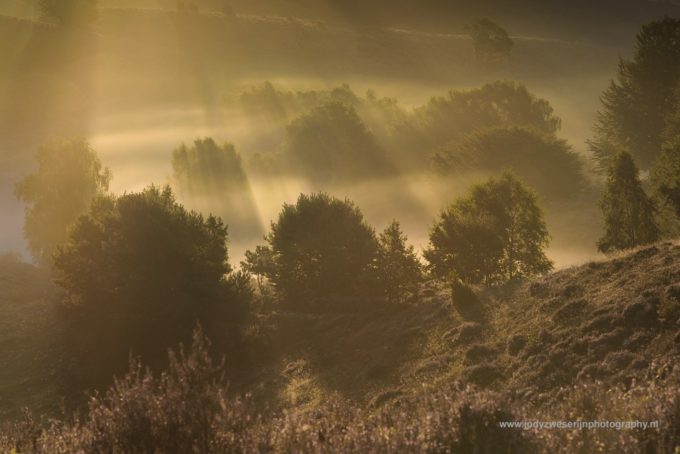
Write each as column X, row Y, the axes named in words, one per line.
column 544, row 162
column 399, row 269
column 332, row 145
column 629, row 214
column 665, row 175
column 495, row 234
column 140, row 271
column 636, row 107
column 321, row 249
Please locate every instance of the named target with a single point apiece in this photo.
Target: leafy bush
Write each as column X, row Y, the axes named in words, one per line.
column 465, row 300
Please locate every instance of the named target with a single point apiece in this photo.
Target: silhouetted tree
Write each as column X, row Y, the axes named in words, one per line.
column 140, row 271
column 492, row 43
column 543, row 161
column 69, row 12
column 495, row 234
column 145, row 251
column 665, row 174
column 628, row 211
column 398, row 267
column 323, row 251
column 68, row 177
column 464, row 245
column 635, row 106
column 332, row 145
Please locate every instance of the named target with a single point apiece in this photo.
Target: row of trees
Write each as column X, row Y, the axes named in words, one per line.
column 145, row 249
column 321, row 250
column 639, row 125
column 332, row 137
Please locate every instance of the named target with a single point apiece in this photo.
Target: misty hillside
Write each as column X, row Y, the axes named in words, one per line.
column 607, row 320
column 613, row 321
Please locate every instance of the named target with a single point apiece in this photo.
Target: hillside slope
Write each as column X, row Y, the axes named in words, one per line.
column 613, row 321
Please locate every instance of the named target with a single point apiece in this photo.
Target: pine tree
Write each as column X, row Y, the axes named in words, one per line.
column 628, row 211
column 665, row 175
column 398, row 266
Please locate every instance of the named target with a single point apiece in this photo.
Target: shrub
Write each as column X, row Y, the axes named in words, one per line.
column 465, row 301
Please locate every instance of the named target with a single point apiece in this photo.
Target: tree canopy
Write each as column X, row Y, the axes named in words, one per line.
column 628, row 211
column 321, row 249
column 543, row 161
column 665, row 175
column 144, row 253
column 495, row 234
column 68, row 176
column 637, row 105
column 332, row 145
column 461, row 112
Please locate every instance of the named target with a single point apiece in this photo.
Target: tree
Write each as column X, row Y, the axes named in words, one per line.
column 398, row 266
column 210, row 178
column 628, row 211
column 465, row 245
column 207, row 168
column 332, row 145
column 545, row 162
column 68, row 177
column 492, row 43
column 259, row 263
column 322, row 251
column 665, row 175
column 636, row 106
column 145, row 253
column 140, row 271
column 69, row 12
column 495, row 234
column 447, row 119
